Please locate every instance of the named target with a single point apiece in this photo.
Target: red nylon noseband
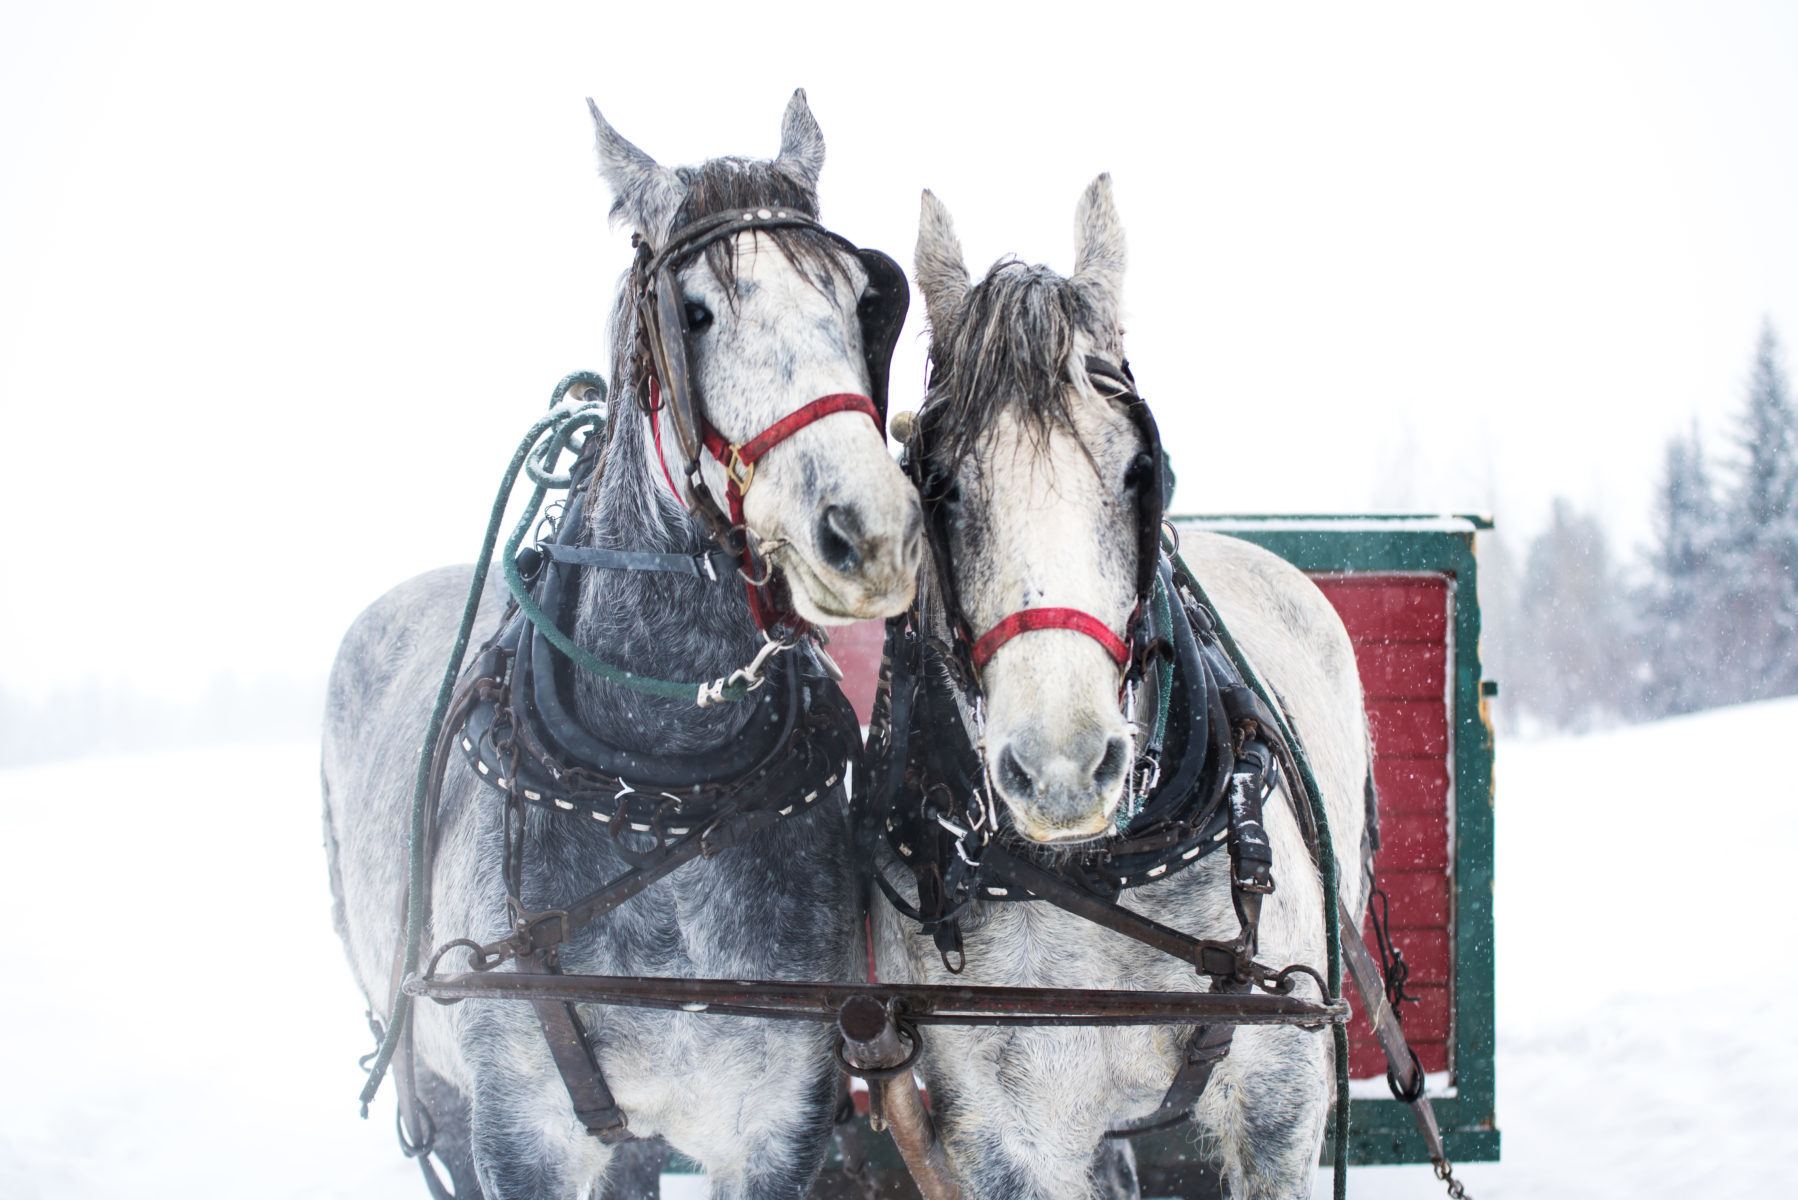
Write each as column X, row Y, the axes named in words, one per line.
column 739, row 461
column 1029, row 619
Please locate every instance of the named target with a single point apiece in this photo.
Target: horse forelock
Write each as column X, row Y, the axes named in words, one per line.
column 723, row 184
column 720, row 185
column 1011, row 350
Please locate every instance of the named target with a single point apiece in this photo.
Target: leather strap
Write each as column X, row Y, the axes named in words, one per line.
column 1029, row 619
column 710, row 564
column 1208, row 1046
column 594, row 1106
column 1403, row 1073
column 1217, row 959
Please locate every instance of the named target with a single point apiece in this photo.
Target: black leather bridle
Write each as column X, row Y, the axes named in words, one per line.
column 1116, row 384
column 665, row 381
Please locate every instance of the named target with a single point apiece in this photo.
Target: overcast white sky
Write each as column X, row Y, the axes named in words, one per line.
column 280, row 285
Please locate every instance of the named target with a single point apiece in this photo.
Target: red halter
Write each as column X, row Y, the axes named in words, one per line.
column 1030, row 619
column 739, row 461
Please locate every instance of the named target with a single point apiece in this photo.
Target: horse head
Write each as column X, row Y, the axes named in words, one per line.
column 1034, row 479
column 765, row 321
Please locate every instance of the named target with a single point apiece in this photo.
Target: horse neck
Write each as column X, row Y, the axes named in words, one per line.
column 655, row 624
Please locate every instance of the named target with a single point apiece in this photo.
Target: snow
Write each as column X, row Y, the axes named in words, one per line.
column 1645, row 1006
column 178, row 1018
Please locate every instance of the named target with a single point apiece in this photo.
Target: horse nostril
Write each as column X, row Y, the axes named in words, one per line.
column 1111, row 765
column 840, row 538
column 1013, row 777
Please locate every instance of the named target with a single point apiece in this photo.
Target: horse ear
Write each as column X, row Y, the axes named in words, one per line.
column 801, row 141
column 645, row 194
column 942, row 275
column 1099, row 246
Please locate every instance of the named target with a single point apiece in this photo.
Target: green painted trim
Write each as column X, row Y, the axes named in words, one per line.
column 1477, row 520
column 1368, row 1146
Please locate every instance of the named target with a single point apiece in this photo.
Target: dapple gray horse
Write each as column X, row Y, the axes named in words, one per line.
column 775, row 321
column 1039, row 477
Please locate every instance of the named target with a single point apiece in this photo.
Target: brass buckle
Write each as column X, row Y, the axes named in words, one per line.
column 740, row 473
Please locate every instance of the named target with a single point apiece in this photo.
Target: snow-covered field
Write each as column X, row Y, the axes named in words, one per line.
column 176, row 1018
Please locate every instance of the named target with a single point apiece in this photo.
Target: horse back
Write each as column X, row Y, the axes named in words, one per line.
column 1296, row 641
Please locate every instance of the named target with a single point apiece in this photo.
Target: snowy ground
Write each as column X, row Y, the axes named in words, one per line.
column 176, row 1018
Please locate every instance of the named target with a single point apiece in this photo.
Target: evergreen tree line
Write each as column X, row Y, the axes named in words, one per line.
column 1705, row 615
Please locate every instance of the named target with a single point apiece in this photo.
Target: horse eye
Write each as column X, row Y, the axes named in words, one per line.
column 940, row 487
column 699, row 317
column 868, row 303
column 1138, row 472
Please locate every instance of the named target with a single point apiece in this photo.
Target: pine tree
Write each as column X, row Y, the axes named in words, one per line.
column 1678, row 608
column 1577, row 662
column 1758, row 655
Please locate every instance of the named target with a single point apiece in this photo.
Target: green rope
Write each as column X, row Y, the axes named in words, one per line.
column 421, row 783
column 537, row 454
column 1326, row 861
column 541, row 468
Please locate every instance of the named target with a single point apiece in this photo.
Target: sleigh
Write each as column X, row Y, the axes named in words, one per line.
column 1406, row 588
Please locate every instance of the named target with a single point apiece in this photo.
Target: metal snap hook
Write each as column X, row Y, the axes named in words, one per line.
column 751, row 676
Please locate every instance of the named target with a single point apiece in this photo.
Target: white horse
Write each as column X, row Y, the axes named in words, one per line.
column 771, row 319
column 1038, row 472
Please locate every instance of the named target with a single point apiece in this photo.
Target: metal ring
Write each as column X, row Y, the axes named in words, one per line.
column 766, row 578
column 1281, row 982
column 1414, row 1093
column 754, row 548
column 479, row 959
column 909, row 1030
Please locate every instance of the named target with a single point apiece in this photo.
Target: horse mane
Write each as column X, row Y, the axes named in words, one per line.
column 1010, row 350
